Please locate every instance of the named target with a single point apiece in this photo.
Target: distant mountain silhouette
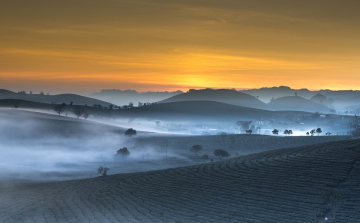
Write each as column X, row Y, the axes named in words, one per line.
column 225, row 96
column 266, row 94
column 296, row 103
column 58, row 99
column 322, row 99
column 124, row 97
column 197, row 111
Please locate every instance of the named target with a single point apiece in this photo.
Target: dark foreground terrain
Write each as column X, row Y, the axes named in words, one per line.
column 303, row 184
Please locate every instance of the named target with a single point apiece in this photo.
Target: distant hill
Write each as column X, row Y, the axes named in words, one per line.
column 124, row 97
column 58, row 99
column 224, row 96
column 296, row 103
column 322, row 99
column 197, row 111
column 266, row 94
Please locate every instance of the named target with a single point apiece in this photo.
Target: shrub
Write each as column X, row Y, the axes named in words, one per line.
column 205, row 156
column 130, row 132
column 221, row 153
column 123, row 152
column 195, row 149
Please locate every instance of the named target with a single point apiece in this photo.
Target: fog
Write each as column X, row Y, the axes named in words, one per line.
column 35, row 149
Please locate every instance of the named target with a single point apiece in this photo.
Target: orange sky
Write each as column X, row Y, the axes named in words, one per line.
column 88, row 45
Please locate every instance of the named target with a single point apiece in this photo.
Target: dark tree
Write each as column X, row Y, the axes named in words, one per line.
column 105, row 171
column 195, row 149
column 59, row 108
column 275, row 132
column 307, row 133
column 131, row 105
column 42, row 93
column 100, row 170
column 286, row 132
column 130, row 132
column 205, row 156
column 354, row 126
column 290, row 132
column 312, row 132
column 124, row 152
column 318, row 131
column 221, row 153
column 85, row 115
column 78, row 111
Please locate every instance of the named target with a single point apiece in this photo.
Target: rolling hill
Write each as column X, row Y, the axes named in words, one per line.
column 302, row 184
column 224, row 96
column 201, row 111
column 296, row 103
column 58, row 99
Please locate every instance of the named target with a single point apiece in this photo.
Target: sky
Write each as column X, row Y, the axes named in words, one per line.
column 87, row 45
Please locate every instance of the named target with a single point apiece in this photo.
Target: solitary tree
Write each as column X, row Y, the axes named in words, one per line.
column 124, row 152
column 59, row 108
column 85, row 115
column 312, row 132
column 318, row 131
column 78, row 111
column 221, row 153
column 103, row 170
column 195, row 149
column 205, row 156
column 286, row 132
column 130, row 132
column 307, row 133
column 157, row 123
column 290, row 132
column 275, row 132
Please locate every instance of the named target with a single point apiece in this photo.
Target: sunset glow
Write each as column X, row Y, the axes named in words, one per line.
column 86, row 46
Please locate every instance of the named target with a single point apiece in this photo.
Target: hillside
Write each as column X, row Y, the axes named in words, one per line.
column 58, row 99
column 124, row 97
column 197, row 111
column 296, row 103
column 224, row 96
column 302, row 184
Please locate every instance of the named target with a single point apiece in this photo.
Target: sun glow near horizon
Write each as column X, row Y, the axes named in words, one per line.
column 58, row 46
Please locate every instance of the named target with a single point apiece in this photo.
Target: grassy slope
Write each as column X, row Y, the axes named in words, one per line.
column 283, row 185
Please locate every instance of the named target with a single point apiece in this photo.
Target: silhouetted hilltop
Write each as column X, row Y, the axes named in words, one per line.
column 322, row 99
column 197, row 111
column 57, row 99
column 225, row 96
column 296, row 103
column 268, row 93
column 124, row 97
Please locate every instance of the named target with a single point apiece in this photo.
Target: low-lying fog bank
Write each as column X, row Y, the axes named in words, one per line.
column 40, row 147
